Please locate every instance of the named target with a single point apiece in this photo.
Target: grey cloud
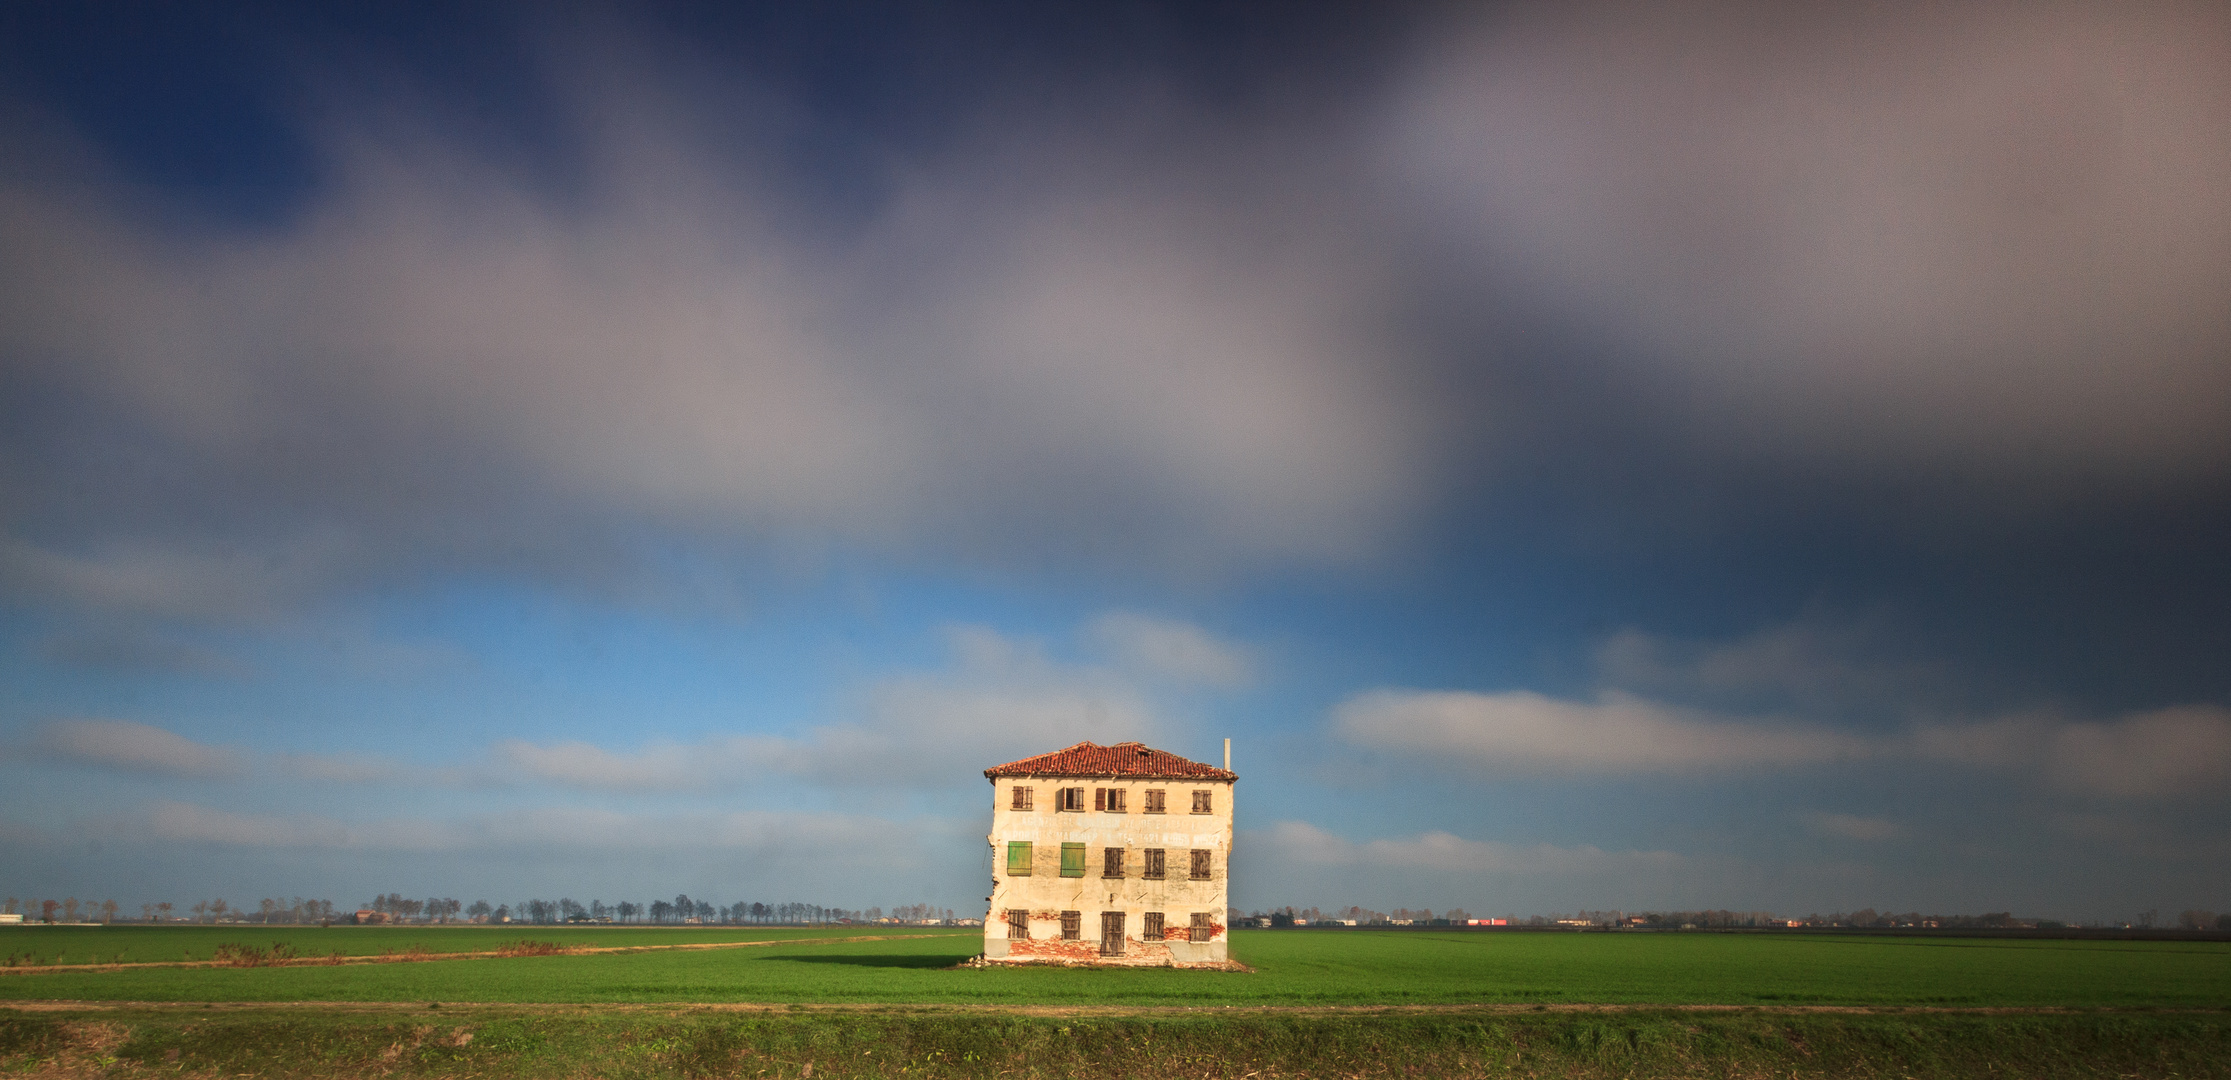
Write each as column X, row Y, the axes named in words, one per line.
column 1037, row 344
column 133, row 651
column 2178, row 751
column 1971, row 239
column 133, row 747
column 1618, row 733
column 2175, row 752
column 556, row 828
column 1855, row 827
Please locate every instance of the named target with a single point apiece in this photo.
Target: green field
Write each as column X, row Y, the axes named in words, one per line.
column 1291, row 969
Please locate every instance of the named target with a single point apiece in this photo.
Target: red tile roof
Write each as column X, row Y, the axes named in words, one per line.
column 1122, row 759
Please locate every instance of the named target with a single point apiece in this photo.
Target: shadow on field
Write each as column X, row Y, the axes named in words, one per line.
column 875, row 960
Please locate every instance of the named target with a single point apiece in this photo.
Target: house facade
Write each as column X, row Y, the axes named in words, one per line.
column 1110, row 855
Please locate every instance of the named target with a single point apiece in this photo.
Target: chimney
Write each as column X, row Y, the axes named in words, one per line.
column 1227, row 755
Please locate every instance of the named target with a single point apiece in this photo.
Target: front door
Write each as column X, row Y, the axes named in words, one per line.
column 1111, row 933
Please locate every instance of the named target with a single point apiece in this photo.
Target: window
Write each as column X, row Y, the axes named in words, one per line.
column 1069, row 799
column 1018, row 858
column 1111, row 862
column 1151, row 927
column 1154, row 863
column 1111, row 933
column 1200, row 863
column 1108, row 799
column 1201, row 800
column 1072, row 860
column 1155, row 800
column 1018, row 924
column 1022, row 799
column 1200, row 930
column 1070, row 921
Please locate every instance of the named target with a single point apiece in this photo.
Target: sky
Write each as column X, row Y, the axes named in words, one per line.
column 1592, row 455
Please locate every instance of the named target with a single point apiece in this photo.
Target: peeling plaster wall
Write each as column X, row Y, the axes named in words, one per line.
column 1046, row 894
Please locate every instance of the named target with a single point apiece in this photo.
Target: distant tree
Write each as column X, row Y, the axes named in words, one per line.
column 598, row 911
column 704, row 911
column 628, row 910
column 502, row 913
column 147, row 913
column 217, row 909
column 480, row 910
column 683, row 906
column 571, row 911
column 69, row 909
column 47, row 907
column 108, row 911
column 164, row 909
column 2196, row 919
column 10, row 909
column 660, row 910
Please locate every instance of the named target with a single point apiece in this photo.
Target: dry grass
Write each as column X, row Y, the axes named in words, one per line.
column 531, row 947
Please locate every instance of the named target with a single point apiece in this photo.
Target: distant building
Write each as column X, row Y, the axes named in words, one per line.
column 1110, row 855
column 366, row 916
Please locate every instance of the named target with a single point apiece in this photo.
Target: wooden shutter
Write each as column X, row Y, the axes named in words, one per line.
column 1150, row 927
column 1099, row 798
column 1111, row 862
column 1200, row 864
column 1072, row 860
column 1154, row 863
column 1200, row 930
column 1018, row 924
column 1071, row 925
column 1018, row 858
column 1111, row 933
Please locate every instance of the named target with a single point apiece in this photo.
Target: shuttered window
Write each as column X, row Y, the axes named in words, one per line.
column 1116, row 800
column 1154, row 863
column 1202, row 801
column 1111, row 862
column 1155, row 800
column 1069, row 799
column 1018, row 924
column 1072, row 925
column 1072, row 860
column 1150, row 928
column 1201, row 928
column 1201, row 863
column 1018, row 858
column 1021, row 800
column 1111, row 933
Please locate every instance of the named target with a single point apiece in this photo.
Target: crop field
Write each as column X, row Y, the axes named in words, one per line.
column 891, row 1002
column 1291, row 968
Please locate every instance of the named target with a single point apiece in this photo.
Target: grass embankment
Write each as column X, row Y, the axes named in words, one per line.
column 1292, row 969
column 662, row 1041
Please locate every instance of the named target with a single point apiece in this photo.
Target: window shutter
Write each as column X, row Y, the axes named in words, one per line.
column 1018, row 858
column 1072, row 860
column 1099, row 798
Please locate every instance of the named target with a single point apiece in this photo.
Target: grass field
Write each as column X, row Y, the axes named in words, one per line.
column 1291, row 969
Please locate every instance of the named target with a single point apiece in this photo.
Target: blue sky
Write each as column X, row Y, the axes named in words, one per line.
column 1584, row 456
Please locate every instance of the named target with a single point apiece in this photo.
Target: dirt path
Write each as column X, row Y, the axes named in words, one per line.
column 386, row 1008
column 418, row 956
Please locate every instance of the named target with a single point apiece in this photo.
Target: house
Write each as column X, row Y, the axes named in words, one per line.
column 1110, row 855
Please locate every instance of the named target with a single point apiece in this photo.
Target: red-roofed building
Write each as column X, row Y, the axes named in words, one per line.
column 1110, row 855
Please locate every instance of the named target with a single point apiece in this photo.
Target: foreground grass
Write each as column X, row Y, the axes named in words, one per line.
column 1292, row 969
column 667, row 1041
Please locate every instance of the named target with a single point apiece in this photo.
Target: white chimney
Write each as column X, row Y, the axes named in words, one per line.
column 1227, row 755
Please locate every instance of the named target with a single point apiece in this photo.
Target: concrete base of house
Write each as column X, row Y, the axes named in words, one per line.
column 1184, row 954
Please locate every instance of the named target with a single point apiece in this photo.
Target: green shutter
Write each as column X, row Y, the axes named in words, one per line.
column 1072, row 860
column 1018, row 858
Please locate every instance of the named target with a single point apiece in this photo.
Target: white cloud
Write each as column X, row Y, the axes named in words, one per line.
column 1528, row 732
column 133, row 747
column 1172, row 649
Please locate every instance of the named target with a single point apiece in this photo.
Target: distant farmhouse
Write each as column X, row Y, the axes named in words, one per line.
column 1110, row 855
